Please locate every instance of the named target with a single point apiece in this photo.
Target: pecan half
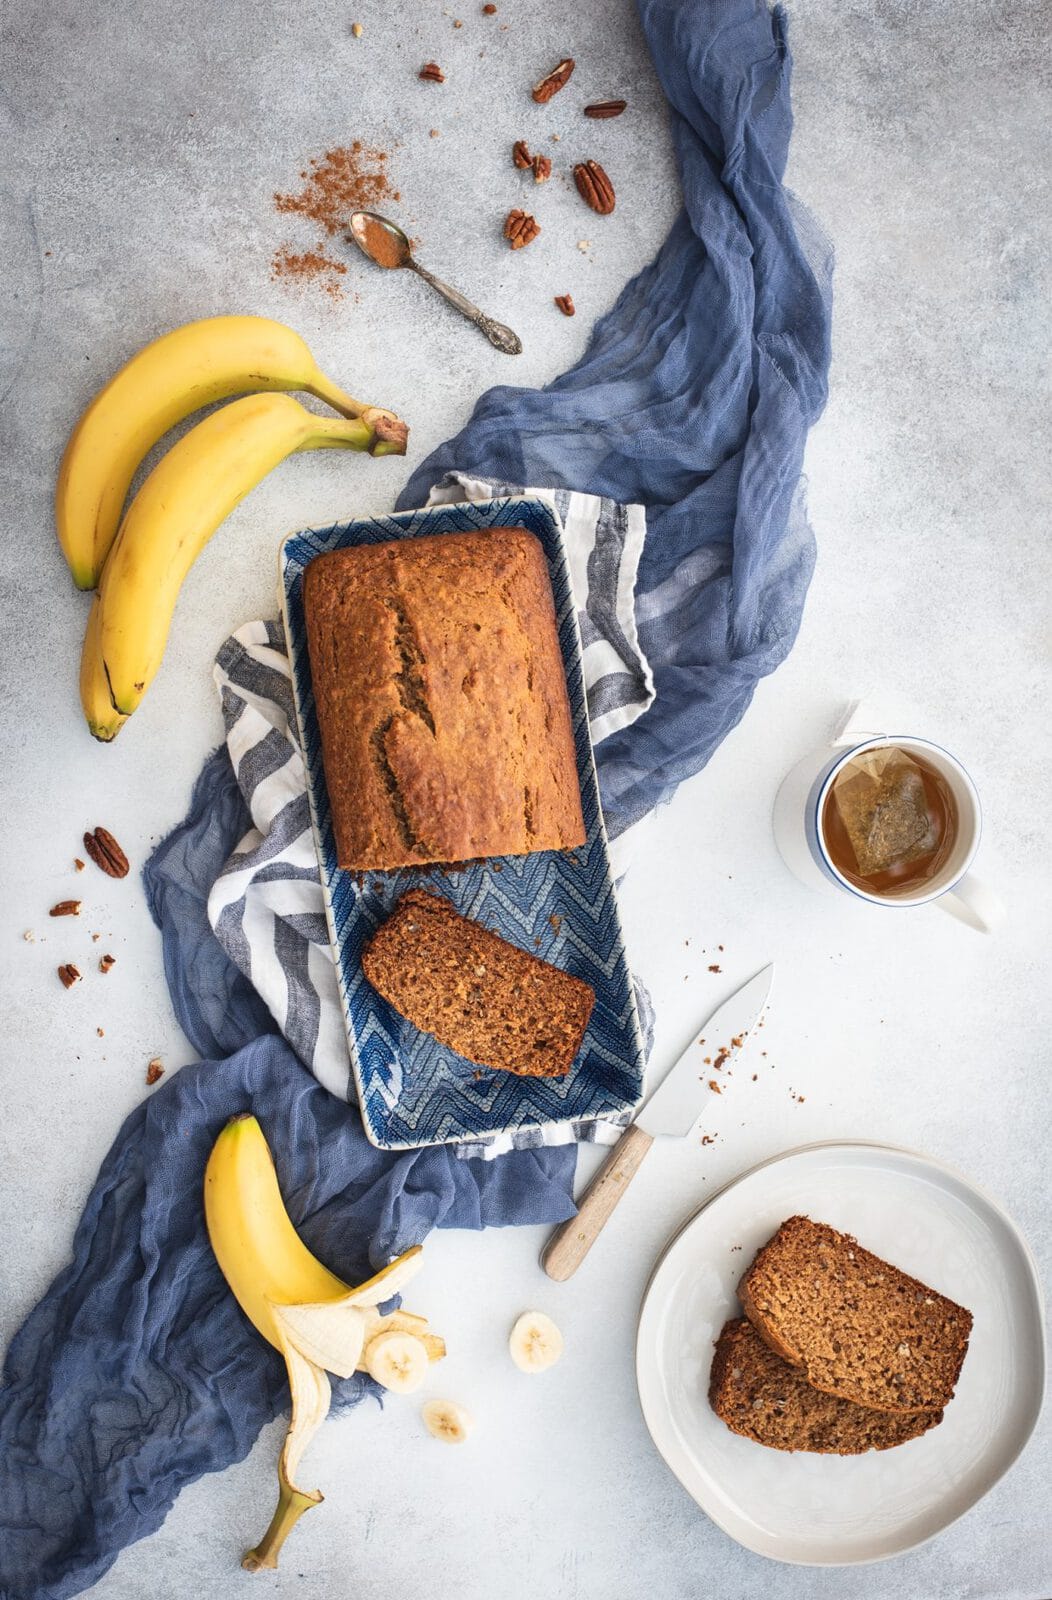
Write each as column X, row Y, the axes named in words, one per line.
column 594, row 187
column 557, row 79
column 431, row 72
column 520, row 229
column 69, row 975
column 106, row 853
column 542, row 169
column 107, row 962
column 602, row 109
column 567, row 307
column 520, row 154
column 65, row 908
column 154, row 1071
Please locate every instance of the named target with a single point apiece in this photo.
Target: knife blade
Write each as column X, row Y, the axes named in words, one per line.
column 672, row 1111
column 676, row 1104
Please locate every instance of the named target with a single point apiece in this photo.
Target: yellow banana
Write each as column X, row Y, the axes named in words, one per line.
column 191, row 367
column 103, row 719
column 181, row 504
column 317, row 1321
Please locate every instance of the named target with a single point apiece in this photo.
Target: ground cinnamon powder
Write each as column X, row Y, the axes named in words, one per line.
column 349, row 178
column 385, row 251
column 309, row 264
column 344, row 179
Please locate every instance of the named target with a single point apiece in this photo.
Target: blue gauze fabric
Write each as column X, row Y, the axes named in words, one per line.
column 693, row 399
column 137, row 1372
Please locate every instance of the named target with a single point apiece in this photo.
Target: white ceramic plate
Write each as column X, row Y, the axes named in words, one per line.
column 840, row 1510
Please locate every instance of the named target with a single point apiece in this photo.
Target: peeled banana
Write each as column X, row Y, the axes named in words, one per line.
column 319, row 1324
column 173, row 516
column 191, row 367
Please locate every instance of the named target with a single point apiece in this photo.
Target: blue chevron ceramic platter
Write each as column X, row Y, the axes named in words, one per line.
column 560, row 905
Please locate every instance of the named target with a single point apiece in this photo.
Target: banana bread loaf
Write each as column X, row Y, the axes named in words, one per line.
column 441, row 697
column 762, row 1397
column 857, row 1327
column 491, row 1002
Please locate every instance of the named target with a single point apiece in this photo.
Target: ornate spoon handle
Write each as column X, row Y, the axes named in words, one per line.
column 499, row 336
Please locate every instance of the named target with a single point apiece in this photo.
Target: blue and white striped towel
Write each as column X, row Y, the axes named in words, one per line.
column 266, row 905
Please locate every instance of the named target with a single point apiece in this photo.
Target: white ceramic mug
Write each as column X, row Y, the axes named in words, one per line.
column 799, row 833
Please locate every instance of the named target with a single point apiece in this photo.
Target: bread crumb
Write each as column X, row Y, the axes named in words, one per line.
column 357, row 29
column 714, row 1086
column 154, row 1071
column 29, row 936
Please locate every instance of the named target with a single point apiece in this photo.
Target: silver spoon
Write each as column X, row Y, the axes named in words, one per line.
column 385, row 243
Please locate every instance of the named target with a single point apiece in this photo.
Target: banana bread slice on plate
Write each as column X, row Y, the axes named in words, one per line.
column 762, row 1397
column 857, row 1326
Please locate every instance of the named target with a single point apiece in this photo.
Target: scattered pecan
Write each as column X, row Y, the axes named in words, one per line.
column 557, row 79
column 567, row 307
column 78, row 864
column 431, row 72
column 65, row 908
column 520, row 229
column 542, row 169
column 107, row 962
column 69, row 975
column 154, row 1071
column 520, row 154
column 594, row 187
column 106, row 853
column 489, row 10
column 602, row 109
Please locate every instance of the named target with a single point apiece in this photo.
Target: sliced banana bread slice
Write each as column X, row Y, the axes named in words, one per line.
column 762, row 1397
column 491, row 1002
column 858, row 1327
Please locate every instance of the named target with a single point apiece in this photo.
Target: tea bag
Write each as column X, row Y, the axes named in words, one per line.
column 884, row 808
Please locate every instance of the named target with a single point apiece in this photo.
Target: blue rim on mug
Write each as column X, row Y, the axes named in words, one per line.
column 817, row 798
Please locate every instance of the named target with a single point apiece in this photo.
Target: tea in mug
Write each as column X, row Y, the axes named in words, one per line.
column 890, row 821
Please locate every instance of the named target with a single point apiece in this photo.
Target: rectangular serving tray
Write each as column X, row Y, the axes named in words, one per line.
column 560, row 905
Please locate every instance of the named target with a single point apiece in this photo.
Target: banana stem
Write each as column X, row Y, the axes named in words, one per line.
column 379, row 432
column 292, row 1503
column 324, row 389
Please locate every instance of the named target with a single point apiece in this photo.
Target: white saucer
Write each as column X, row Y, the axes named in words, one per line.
column 840, row 1510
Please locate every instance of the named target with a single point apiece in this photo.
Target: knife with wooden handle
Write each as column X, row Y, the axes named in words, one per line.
column 672, row 1111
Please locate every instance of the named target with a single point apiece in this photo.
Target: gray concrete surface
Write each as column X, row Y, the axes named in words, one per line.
column 141, row 146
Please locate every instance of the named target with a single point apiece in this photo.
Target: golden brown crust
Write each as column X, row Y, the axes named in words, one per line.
column 488, row 1000
column 763, row 1398
column 858, row 1327
column 441, row 697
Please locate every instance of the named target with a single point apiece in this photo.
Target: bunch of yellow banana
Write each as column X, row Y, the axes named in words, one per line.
column 319, row 1324
column 138, row 564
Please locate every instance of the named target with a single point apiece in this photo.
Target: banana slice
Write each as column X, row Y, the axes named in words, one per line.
column 447, row 1421
column 397, row 1360
column 535, row 1342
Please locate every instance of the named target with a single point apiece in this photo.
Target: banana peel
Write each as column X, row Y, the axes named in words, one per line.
column 319, row 1324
